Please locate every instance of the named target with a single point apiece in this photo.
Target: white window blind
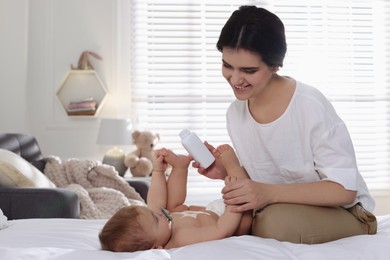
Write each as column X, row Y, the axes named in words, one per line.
column 337, row 46
column 340, row 47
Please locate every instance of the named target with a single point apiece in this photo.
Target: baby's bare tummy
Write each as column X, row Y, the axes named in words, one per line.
column 192, row 218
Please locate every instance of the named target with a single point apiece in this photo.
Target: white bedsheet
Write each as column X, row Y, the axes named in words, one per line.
column 77, row 239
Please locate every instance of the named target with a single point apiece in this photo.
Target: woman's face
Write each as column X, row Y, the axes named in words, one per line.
column 246, row 73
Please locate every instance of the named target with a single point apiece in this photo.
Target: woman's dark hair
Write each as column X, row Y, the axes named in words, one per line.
column 255, row 29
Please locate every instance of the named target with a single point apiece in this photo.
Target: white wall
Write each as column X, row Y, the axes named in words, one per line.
column 13, row 64
column 40, row 39
column 59, row 31
column 382, row 200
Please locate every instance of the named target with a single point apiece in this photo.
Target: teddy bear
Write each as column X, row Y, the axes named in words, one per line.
column 139, row 161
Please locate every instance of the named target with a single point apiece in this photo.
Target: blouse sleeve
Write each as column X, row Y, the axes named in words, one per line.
column 334, row 157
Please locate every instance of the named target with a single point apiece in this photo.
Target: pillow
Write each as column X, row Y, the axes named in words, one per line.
column 17, row 172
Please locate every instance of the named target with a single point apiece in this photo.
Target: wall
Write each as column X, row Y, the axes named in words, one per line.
column 13, row 64
column 45, row 38
column 59, row 31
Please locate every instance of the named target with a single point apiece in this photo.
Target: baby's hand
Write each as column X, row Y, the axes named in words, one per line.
column 159, row 164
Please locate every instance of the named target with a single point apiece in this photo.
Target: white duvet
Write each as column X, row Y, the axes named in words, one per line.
column 78, row 239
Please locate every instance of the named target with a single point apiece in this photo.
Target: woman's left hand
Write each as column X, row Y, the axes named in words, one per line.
column 246, row 195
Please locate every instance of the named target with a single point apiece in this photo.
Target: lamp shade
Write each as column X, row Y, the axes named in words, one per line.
column 114, row 132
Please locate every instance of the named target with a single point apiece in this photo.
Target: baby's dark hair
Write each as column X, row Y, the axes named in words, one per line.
column 255, row 29
column 124, row 233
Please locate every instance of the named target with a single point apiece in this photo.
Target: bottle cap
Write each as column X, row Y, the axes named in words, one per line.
column 184, row 133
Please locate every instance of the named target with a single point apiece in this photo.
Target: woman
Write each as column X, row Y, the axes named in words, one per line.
column 305, row 186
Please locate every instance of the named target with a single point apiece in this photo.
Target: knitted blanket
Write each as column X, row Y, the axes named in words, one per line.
column 100, row 189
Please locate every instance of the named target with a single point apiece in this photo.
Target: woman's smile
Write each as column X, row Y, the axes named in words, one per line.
column 245, row 71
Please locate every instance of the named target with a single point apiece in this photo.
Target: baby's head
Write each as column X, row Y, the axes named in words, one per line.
column 124, row 232
column 135, row 228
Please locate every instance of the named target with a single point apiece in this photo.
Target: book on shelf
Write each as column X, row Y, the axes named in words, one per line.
column 87, row 104
column 82, row 107
column 81, row 100
column 82, row 113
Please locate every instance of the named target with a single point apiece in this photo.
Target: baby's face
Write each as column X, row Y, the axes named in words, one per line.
column 156, row 225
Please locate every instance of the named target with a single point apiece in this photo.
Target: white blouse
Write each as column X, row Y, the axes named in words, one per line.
column 308, row 143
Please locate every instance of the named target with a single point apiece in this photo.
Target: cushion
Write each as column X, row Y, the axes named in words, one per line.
column 17, row 172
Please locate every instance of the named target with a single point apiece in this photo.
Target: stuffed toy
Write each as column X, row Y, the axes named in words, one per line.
column 84, row 63
column 139, row 161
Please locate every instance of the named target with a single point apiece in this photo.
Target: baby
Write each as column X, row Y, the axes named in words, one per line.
column 166, row 222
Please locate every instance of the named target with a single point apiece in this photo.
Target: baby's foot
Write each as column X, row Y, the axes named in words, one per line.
column 230, row 179
column 176, row 160
column 225, row 153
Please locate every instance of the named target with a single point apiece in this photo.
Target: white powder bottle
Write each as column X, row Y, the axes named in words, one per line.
column 196, row 148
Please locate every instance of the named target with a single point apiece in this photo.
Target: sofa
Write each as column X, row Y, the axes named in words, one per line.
column 23, row 202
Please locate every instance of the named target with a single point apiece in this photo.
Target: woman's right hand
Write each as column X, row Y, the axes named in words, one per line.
column 215, row 171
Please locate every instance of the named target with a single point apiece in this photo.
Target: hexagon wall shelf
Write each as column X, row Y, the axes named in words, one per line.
column 82, row 93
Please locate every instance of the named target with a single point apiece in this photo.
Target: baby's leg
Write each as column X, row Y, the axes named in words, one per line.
column 235, row 172
column 225, row 153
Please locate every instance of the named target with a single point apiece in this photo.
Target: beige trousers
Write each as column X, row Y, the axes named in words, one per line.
column 311, row 224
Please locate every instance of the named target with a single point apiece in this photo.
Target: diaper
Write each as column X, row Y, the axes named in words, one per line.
column 216, row 206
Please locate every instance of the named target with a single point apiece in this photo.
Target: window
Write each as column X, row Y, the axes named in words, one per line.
column 337, row 46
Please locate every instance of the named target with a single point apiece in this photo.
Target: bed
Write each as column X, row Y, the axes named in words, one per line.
column 34, row 229
column 78, row 239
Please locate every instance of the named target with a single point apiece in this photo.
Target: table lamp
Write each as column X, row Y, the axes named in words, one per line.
column 115, row 132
